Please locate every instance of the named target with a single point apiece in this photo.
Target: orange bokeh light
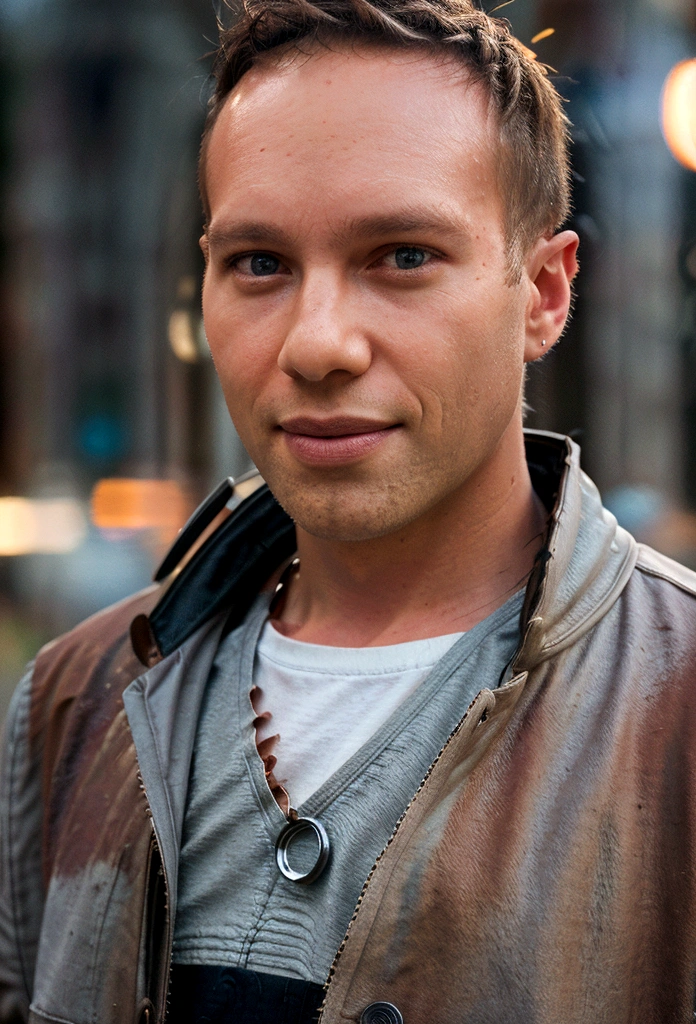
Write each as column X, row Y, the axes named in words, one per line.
column 130, row 504
column 679, row 113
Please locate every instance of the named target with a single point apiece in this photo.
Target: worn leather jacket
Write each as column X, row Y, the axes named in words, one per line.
column 545, row 871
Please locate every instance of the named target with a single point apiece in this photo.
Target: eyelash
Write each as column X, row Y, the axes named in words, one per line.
column 234, row 261
column 429, row 255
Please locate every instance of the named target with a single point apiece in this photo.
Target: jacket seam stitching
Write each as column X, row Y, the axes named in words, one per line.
column 666, row 577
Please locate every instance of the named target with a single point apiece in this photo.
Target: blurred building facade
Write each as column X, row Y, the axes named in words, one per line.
column 624, row 378
column 104, row 369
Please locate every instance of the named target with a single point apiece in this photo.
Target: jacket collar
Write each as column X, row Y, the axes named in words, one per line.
column 586, row 562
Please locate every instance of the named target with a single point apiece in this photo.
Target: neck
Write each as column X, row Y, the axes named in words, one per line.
column 442, row 574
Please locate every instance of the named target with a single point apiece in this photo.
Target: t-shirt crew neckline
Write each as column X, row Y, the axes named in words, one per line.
column 319, row 704
column 355, row 766
column 350, row 661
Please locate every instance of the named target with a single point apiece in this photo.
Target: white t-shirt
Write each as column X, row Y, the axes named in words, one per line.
column 324, row 703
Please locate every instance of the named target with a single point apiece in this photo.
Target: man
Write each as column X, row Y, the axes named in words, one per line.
column 425, row 674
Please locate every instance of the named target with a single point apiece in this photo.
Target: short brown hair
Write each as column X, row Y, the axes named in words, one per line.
column 534, row 175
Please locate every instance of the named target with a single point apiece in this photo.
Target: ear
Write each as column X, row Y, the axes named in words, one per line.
column 550, row 270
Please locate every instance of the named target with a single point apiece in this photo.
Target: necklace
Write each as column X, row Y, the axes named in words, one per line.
column 296, row 825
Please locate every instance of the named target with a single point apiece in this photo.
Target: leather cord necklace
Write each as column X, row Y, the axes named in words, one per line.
column 296, row 825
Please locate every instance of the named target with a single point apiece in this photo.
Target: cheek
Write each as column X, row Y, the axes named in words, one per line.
column 242, row 349
column 497, row 369
column 469, row 346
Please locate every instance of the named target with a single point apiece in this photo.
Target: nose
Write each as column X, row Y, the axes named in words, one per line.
column 323, row 336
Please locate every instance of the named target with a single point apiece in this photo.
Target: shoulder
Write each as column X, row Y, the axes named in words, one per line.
column 651, row 629
column 661, row 595
column 105, row 626
column 657, row 612
column 93, row 663
column 93, row 638
column 658, row 567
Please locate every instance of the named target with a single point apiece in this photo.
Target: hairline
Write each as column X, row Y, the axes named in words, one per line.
column 434, row 49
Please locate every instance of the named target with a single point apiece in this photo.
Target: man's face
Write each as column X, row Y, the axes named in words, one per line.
column 356, row 299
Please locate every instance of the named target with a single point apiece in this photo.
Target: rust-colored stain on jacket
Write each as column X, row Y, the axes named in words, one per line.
column 90, row 767
column 97, row 824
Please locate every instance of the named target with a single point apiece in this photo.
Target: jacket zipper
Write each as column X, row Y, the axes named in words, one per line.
column 163, row 994
column 398, row 825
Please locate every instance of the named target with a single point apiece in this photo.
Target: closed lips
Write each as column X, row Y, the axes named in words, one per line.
column 335, row 427
column 335, row 441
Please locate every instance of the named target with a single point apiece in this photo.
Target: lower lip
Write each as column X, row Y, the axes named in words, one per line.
column 335, row 451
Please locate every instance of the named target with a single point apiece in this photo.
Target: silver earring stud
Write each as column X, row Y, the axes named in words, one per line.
column 543, row 344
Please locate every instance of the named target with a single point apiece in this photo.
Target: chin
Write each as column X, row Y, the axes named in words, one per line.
column 347, row 514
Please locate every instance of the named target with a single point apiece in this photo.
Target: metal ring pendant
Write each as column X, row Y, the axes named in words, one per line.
column 285, row 839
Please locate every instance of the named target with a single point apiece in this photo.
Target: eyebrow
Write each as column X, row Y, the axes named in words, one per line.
column 378, row 226
column 403, row 223
column 253, row 232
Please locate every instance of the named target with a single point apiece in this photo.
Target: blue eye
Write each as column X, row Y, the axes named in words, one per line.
column 262, row 265
column 407, row 258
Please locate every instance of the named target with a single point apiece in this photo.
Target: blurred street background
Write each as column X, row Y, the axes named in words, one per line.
column 112, row 424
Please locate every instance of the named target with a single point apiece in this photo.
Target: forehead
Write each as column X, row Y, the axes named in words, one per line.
column 340, row 132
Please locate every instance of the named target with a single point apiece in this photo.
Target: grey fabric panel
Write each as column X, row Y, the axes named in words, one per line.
column 234, row 906
column 162, row 707
column 21, row 884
